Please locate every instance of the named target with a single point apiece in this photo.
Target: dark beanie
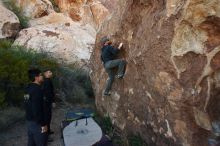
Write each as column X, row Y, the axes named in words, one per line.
column 104, row 40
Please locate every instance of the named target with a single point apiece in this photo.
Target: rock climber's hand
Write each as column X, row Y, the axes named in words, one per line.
column 53, row 104
column 44, row 129
column 120, row 45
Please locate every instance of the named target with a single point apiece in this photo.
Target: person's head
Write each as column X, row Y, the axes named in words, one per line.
column 106, row 41
column 48, row 73
column 35, row 75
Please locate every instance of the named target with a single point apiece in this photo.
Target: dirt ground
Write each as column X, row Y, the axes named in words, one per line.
column 17, row 134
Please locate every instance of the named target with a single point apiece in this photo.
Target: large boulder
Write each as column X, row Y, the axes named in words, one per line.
column 35, row 8
column 111, row 5
column 170, row 93
column 85, row 11
column 60, row 37
column 9, row 23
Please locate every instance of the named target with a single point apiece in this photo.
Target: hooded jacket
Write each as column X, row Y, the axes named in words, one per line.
column 34, row 104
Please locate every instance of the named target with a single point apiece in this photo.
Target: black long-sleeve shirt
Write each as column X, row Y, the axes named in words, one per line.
column 48, row 90
column 35, row 104
column 108, row 53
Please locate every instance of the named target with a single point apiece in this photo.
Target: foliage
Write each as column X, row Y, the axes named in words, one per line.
column 16, row 60
column 14, row 63
column 109, row 129
column 75, row 84
column 55, row 6
column 107, row 125
column 2, row 99
column 11, row 5
column 135, row 140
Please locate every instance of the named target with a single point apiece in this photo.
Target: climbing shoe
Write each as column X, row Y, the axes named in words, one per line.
column 107, row 93
column 119, row 76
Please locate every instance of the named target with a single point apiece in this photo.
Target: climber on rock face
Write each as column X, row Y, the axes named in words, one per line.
column 108, row 54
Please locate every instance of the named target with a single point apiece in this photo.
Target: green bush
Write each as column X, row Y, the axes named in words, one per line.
column 107, row 125
column 115, row 134
column 75, row 84
column 55, row 6
column 135, row 140
column 16, row 60
column 14, row 64
column 11, row 5
column 2, row 99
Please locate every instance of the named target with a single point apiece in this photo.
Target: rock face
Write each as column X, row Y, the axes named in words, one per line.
column 85, row 11
column 111, row 5
column 170, row 93
column 35, row 8
column 60, row 37
column 9, row 23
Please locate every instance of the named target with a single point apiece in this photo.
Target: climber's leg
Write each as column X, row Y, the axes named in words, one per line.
column 109, row 82
column 121, row 69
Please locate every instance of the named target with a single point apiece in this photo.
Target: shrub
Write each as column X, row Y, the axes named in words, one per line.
column 11, row 5
column 115, row 134
column 16, row 60
column 2, row 98
column 14, row 63
column 55, row 6
column 135, row 140
column 75, row 84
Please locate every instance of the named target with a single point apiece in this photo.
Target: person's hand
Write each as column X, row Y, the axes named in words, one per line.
column 44, row 129
column 120, row 45
column 53, row 104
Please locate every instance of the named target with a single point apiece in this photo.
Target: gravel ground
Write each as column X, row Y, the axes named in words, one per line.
column 17, row 134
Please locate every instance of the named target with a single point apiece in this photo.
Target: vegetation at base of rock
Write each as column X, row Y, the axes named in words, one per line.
column 55, row 6
column 75, row 84
column 14, row 64
column 109, row 129
column 11, row 5
column 135, row 140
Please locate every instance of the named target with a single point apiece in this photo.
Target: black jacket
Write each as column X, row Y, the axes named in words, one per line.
column 108, row 53
column 48, row 90
column 34, row 104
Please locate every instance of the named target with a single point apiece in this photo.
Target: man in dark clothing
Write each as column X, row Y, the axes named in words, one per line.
column 48, row 90
column 108, row 57
column 34, row 106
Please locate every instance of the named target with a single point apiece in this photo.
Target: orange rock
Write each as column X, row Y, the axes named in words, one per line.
column 87, row 12
column 164, row 45
column 35, row 8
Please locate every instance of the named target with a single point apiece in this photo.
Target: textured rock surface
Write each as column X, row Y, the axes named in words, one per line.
column 9, row 23
column 110, row 4
column 170, row 93
column 35, row 8
column 60, row 37
column 86, row 11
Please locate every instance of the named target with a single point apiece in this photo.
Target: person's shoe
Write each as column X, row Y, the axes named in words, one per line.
column 119, row 76
column 107, row 93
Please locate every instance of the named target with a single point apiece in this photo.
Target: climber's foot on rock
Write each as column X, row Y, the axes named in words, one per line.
column 107, row 94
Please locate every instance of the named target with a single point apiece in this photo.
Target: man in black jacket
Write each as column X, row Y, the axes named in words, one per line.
column 34, row 105
column 48, row 90
column 108, row 56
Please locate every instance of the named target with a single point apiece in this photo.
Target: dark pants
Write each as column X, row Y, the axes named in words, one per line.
column 48, row 114
column 109, row 66
column 35, row 137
